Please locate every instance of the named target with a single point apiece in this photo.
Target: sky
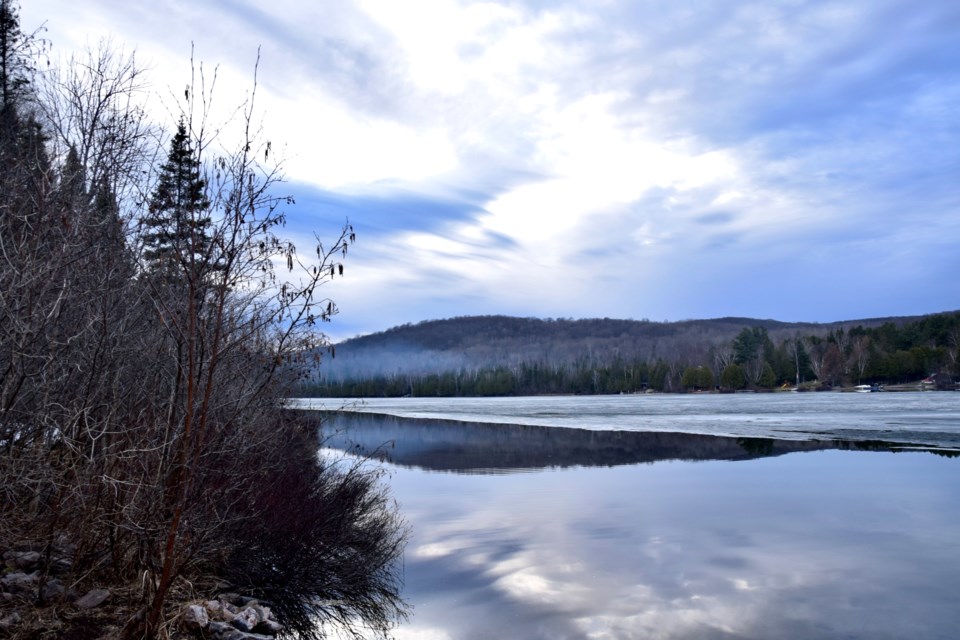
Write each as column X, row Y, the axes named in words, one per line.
column 648, row 159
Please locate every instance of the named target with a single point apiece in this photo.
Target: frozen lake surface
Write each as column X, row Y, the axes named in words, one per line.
column 922, row 418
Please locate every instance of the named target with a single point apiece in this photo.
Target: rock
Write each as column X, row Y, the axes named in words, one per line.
column 222, row 631
column 93, row 598
column 19, row 582
column 246, row 620
column 52, row 590
column 195, row 617
column 60, row 566
column 26, row 560
column 10, row 621
column 213, row 607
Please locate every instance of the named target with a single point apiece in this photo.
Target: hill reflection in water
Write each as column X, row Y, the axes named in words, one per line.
column 831, row 544
column 463, row 447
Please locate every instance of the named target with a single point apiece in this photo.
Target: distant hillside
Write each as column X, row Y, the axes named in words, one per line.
column 482, row 343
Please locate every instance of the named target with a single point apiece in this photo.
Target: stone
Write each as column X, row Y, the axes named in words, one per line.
column 213, row 606
column 223, row 631
column 19, row 582
column 93, row 598
column 195, row 617
column 60, row 566
column 246, row 620
column 10, row 621
column 53, row 590
column 229, row 608
column 25, row 560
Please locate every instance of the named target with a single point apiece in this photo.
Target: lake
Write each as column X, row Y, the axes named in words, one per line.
column 703, row 516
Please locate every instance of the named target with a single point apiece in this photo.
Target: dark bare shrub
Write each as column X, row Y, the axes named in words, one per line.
column 325, row 546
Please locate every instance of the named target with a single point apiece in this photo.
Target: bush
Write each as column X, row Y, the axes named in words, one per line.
column 322, row 546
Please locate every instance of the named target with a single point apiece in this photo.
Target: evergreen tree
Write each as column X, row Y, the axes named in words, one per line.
column 18, row 54
column 14, row 65
column 733, row 377
column 176, row 228
column 106, row 223
column 768, row 379
column 72, row 188
column 73, row 176
column 18, row 139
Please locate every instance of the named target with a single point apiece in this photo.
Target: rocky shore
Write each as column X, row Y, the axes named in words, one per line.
column 38, row 600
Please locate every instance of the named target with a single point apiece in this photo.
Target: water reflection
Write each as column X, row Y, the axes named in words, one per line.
column 823, row 545
column 742, row 544
column 446, row 445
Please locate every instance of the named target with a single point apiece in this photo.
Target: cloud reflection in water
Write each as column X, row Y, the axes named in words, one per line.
column 818, row 544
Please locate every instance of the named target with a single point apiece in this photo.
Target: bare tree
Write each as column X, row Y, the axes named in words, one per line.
column 860, row 355
column 953, row 347
column 95, row 104
column 816, row 348
column 794, row 349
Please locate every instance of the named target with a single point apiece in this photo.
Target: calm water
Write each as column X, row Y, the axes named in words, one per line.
column 610, row 532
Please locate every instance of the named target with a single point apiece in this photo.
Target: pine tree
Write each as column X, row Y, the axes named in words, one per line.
column 13, row 66
column 176, row 228
column 73, row 176
column 72, row 187
column 25, row 168
column 11, row 77
column 18, row 55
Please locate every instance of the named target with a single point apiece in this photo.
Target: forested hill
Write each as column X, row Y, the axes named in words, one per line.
column 532, row 350
column 491, row 340
column 467, row 331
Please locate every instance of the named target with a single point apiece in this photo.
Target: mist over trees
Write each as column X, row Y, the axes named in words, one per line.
column 147, row 342
column 498, row 355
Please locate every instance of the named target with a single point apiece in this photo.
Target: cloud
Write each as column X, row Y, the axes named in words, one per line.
column 599, row 158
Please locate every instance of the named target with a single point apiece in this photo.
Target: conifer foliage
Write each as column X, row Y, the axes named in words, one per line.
column 15, row 61
column 176, row 228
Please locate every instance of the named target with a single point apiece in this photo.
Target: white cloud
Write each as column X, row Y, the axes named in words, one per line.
column 336, row 149
column 608, row 141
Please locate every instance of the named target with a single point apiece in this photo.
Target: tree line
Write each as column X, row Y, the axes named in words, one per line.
column 148, row 338
column 887, row 352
